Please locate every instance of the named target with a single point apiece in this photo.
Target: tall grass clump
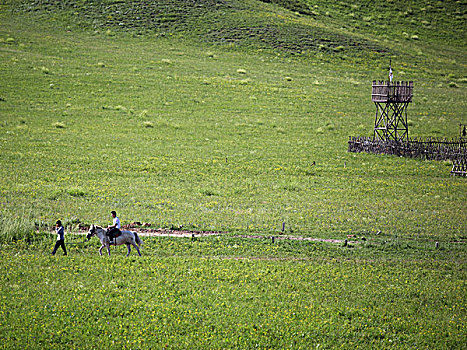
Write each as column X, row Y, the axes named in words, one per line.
column 14, row 229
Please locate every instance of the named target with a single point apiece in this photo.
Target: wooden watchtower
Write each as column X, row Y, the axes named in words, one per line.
column 391, row 100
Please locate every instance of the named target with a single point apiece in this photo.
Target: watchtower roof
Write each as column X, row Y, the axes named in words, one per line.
column 392, row 92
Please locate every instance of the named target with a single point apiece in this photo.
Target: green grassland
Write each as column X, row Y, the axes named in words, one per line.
column 191, row 295
column 210, row 115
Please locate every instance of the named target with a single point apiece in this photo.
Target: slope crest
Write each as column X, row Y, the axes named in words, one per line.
column 243, row 23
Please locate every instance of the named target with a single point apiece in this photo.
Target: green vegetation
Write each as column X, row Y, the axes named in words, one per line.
column 210, row 115
column 206, row 295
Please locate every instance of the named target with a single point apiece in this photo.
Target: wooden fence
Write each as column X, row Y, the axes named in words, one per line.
column 459, row 168
column 425, row 148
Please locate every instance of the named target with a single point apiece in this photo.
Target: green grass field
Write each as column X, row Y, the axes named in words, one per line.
column 211, row 294
column 210, row 117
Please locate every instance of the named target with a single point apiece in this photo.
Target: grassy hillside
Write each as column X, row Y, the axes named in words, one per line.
column 296, row 26
column 428, row 36
column 174, row 131
column 232, row 116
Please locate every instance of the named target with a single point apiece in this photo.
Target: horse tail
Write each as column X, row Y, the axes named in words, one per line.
column 138, row 240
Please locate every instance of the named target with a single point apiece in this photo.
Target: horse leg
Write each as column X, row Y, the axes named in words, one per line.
column 129, row 249
column 136, row 247
column 100, row 249
column 108, row 248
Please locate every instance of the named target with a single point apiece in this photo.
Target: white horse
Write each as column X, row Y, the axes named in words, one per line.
column 127, row 237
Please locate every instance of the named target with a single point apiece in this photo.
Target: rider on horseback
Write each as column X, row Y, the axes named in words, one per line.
column 114, row 229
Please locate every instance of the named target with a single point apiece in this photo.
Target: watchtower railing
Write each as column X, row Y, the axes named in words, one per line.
column 387, row 92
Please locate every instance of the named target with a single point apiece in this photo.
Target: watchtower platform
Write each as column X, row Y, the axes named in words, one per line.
column 391, row 101
column 386, row 92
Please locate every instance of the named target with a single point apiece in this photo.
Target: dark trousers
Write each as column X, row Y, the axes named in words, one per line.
column 59, row 243
column 112, row 233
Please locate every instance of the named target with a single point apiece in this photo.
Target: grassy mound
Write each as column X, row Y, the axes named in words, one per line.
column 295, row 26
column 164, row 16
column 243, row 23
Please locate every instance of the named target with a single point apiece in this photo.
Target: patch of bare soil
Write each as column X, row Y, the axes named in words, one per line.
column 298, row 238
column 173, row 233
column 145, row 230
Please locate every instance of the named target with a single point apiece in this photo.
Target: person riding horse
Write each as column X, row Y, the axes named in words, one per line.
column 114, row 229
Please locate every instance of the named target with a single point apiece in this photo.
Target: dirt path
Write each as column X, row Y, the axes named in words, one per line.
column 161, row 232
column 298, row 238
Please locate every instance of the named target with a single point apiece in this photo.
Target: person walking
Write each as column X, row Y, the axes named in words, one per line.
column 60, row 230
